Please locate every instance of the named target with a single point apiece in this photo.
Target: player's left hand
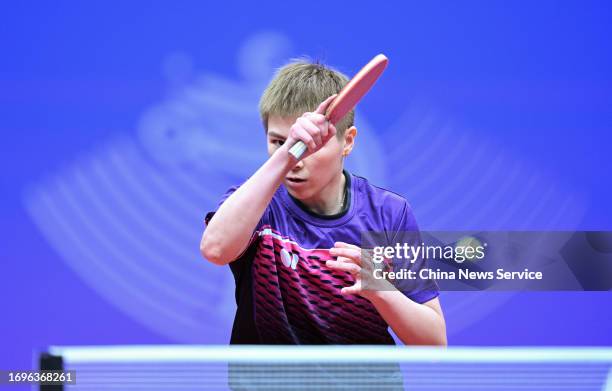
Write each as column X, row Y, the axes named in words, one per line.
column 358, row 262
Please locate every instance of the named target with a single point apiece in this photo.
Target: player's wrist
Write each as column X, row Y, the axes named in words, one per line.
column 282, row 158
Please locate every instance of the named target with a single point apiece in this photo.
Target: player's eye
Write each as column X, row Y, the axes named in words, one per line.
column 278, row 142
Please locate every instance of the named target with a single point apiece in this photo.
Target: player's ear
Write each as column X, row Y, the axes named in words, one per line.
column 349, row 140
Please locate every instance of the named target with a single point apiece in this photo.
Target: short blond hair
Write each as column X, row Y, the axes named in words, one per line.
column 300, row 86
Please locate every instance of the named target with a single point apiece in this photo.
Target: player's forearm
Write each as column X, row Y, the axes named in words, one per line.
column 229, row 231
column 413, row 323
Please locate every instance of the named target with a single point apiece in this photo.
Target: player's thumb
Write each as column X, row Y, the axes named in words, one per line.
column 325, row 104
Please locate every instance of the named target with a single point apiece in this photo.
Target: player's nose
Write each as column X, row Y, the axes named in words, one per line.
column 299, row 165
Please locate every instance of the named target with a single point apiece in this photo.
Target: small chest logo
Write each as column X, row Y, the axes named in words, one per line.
column 289, row 259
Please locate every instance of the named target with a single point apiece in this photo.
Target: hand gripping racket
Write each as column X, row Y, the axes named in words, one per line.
column 348, row 97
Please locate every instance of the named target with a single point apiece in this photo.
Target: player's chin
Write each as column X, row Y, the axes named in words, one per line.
column 298, row 191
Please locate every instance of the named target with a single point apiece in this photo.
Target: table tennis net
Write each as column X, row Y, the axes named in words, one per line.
column 183, row 367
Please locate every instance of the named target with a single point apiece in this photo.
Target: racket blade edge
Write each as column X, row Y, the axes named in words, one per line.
column 356, row 88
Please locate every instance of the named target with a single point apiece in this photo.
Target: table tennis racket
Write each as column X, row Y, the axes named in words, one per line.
column 348, row 97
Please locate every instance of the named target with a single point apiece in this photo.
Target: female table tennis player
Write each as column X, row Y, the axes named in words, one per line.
column 291, row 232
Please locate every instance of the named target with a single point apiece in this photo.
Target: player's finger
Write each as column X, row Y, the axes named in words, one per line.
column 299, row 133
column 346, row 245
column 349, row 246
column 331, row 130
column 317, row 119
column 352, row 290
column 349, row 260
column 325, row 104
column 365, row 258
column 311, row 128
column 321, row 122
column 344, row 266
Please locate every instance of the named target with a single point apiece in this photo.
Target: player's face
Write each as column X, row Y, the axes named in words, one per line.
column 311, row 176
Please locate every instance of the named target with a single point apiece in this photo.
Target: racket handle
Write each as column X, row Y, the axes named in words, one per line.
column 297, row 150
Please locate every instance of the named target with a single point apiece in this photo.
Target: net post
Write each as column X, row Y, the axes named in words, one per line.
column 49, row 362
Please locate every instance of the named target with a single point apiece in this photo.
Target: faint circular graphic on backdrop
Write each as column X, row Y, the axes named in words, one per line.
column 458, row 182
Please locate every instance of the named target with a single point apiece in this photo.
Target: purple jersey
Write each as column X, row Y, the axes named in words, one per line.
column 284, row 291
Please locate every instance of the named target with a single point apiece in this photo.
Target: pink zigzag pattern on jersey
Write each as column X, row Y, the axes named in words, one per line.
column 304, row 305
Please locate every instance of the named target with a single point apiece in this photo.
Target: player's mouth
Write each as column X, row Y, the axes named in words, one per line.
column 296, row 181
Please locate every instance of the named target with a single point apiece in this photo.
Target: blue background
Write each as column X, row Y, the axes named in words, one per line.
column 490, row 115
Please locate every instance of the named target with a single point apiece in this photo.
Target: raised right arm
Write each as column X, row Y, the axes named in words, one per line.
column 229, row 231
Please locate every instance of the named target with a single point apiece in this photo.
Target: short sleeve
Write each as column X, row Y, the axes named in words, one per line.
column 225, row 196
column 265, row 218
column 407, row 235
